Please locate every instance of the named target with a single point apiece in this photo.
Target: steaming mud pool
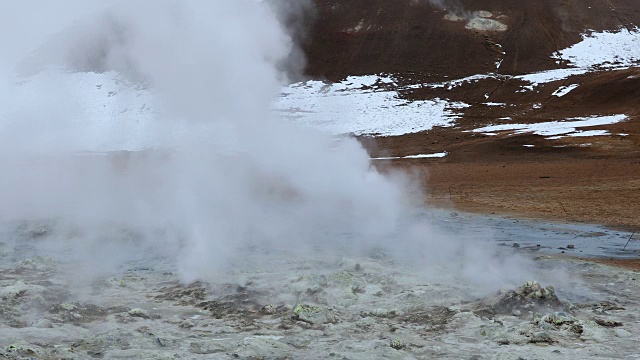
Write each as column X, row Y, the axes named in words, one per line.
column 332, row 305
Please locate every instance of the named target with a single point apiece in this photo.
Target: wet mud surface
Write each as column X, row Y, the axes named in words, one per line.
column 279, row 305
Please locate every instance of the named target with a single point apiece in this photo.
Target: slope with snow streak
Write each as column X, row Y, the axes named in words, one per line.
column 110, row 114
column 363, row 106
column 419, row 156
column 606, row 49
column 557, row 129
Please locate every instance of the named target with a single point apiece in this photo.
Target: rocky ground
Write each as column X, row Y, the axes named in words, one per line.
column 283, row 305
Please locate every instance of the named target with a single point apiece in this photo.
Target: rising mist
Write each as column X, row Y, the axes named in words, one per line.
column 216, row 171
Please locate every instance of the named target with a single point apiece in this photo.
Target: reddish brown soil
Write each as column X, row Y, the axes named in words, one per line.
column 630, row 264
column 599, row 183
column 590, row 190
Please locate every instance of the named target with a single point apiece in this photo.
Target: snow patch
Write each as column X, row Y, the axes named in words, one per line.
column 604, row 49
column 450, row 85
column 361, row 105
column 588, row 133
column 544, row 77
column 557, row 129
column 564, row 90
column 421, row 156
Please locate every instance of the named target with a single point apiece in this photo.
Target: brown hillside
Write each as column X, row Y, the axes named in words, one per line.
column 353, row 37
column 592, row 179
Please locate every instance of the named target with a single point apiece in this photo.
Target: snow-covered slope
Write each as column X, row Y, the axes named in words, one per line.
column 364, row 105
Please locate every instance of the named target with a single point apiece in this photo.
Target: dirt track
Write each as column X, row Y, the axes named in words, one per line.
column 556, row 179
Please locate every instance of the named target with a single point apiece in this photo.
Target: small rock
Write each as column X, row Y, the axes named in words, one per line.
column 607, row 323
column 205, row 348
column 313, row 314
column 268, row 309
column 384, row 313
column 187, row 324
column 397, row 344
column 161, row 342
column 68, row 307
column 529, row 295
column 263, row 347
column 42, row 324
column 577, row 328
column 557, row 319
column 137, row 312
column 115, row 282
column 622, row 333
column 546, row 326
column 540, row 337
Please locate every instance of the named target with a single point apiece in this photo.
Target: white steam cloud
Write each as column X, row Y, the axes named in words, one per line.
column 454, row 7
column 218, row 172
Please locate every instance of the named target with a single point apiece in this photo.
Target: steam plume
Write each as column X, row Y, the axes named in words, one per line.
column 454, row 7
column 214, row 68
column 215, row 171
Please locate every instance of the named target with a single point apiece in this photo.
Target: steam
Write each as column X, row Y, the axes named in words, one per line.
column 216, row 172
column 454, row 8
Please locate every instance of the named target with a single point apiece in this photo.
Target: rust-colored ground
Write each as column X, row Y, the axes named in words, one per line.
column 575, row 186
column 630, row 264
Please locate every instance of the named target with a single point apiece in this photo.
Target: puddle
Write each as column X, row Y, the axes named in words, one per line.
column 544, row 237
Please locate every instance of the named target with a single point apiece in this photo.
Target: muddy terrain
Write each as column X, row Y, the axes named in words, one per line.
column 330, row 304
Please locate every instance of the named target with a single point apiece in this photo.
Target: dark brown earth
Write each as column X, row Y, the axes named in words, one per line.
column 599, row 183
column 411, row 36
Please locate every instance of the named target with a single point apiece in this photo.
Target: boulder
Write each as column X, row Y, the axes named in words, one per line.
column 313, row 314
column 530, row 296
